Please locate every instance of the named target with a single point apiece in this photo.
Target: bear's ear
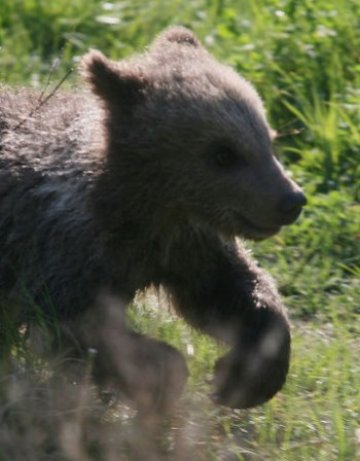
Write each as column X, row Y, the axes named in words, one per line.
column 117, row 83
column 179, row 35
column 273, row 134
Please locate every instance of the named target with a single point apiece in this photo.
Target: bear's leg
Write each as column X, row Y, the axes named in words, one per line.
column 150, row 373
column 255, row 368
column 9, row 328
column 218, row 289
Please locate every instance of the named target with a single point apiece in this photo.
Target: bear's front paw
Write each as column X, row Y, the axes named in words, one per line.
column 250, row 375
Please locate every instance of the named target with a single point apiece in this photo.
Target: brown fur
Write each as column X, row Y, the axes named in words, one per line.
column 148, row 183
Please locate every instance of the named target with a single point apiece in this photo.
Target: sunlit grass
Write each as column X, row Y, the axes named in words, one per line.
column 314, row 417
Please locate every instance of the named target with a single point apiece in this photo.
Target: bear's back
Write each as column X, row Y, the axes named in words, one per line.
column 55, row 137
column 46, row 170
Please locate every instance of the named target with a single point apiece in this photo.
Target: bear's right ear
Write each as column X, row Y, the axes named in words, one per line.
column 179, row 35
column 118, row 84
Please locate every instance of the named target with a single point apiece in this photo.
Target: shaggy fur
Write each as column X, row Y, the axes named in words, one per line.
column 147, row 181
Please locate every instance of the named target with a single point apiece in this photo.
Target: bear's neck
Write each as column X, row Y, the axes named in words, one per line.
column 138, row 222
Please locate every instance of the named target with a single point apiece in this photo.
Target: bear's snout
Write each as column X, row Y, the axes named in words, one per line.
column 290, row 206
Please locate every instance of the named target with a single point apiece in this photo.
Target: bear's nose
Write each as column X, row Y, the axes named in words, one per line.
column 290, row 206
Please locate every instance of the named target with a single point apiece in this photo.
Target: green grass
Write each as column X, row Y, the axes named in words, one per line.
column 304, row 58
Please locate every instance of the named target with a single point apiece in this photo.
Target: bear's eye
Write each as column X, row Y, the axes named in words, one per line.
column 225, row 156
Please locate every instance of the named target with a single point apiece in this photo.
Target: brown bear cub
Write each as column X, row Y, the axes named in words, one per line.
column 146, row 181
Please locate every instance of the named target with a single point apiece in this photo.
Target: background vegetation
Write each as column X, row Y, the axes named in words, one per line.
column 304, row 58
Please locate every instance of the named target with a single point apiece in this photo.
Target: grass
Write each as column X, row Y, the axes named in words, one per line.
column 304, row 59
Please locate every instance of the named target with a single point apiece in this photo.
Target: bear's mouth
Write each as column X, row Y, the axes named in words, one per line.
column 247, row 229
column 234, row 224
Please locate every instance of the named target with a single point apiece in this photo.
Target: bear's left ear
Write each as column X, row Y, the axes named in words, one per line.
column 118, row 84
